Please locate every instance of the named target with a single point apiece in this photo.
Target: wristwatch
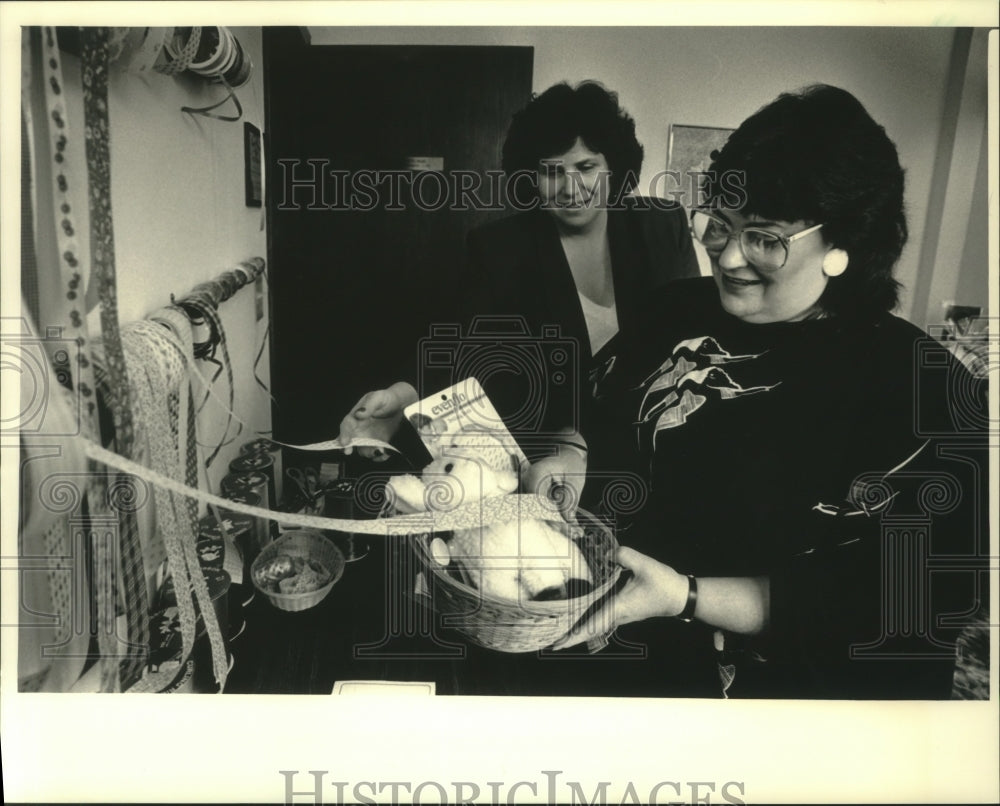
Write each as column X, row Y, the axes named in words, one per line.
column 687, row 614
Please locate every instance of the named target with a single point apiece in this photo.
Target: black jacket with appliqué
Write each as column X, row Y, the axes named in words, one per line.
column 844, row 459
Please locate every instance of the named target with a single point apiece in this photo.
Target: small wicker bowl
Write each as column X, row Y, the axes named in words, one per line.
column 309, row 545
column 521, row 626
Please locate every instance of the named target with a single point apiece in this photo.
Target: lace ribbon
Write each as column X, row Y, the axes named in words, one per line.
column 162, row 394
column 485, row 511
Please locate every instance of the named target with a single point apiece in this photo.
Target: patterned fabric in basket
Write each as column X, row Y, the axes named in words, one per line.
column 308, row 545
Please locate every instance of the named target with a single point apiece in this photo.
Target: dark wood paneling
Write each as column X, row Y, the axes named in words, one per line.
column 353, row 290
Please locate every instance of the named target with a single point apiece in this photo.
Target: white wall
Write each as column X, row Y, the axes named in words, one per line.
column 177, row 194
column 954, row 257
column 718, row 76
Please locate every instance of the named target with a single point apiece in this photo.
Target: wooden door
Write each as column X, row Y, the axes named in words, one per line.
column 362, row 261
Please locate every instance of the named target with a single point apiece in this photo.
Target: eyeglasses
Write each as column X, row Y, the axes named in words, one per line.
column 763, row 248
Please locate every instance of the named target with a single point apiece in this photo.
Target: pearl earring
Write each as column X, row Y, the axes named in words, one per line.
column 835, row 262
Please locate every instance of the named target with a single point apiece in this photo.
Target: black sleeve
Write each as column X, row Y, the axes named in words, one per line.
column 873, row 607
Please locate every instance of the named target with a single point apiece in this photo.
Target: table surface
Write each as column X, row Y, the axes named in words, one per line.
column 372, row 627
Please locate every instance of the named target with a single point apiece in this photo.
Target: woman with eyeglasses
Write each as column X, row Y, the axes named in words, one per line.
column 794, row 430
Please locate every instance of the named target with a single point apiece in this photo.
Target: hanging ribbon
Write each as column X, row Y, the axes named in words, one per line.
column 69, row 308
column 29, row 264
column 207, row 112
column 260, row 351
column 256, row 364
column 160, row 383
column 209, row 313
column 200, row 304
column 94, row 60
column 61, row 314
column 328, row 445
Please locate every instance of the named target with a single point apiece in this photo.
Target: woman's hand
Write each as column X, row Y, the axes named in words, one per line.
column 735, row 604
column 655, row 589
column 377, row 415
column 561, row 476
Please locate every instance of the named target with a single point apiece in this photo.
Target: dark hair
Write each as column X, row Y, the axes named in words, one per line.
column 817, row 155
column 551, row 122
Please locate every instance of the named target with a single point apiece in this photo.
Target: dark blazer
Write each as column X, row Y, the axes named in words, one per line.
column 517, row 266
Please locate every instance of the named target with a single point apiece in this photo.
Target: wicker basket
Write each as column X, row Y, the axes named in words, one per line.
column 309, row 545
column 520, row 626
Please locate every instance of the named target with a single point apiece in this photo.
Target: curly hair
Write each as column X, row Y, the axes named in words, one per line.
column 816, row 155
column 551, row 123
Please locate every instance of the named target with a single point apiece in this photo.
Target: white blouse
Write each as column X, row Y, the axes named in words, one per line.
column 602, row 322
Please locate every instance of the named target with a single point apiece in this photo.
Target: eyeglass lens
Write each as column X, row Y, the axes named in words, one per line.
column 761, row 248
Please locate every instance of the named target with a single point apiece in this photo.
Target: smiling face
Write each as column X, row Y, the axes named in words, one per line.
column 573, row 186
column 760, row 295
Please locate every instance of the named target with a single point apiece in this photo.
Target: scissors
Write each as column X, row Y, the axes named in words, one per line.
column 307, row 480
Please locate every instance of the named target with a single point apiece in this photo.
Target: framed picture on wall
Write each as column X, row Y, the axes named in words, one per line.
column 252, row 162
column 689, row 150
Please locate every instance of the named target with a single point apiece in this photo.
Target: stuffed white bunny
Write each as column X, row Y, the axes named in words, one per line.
column 517, row 561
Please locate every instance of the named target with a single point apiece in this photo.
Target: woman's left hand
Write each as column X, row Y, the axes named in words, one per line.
column 377, row 415
column 655, row 589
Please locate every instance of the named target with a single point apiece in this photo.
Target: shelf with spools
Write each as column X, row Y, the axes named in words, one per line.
column 212, row 52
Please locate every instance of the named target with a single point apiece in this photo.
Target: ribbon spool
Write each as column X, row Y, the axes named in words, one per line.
column 340, row 504
column 239, row 73
column 210, row 292
column 273, row 450
column 257, row 462
column 241, row 483
column 165, row 650
column 230, row 284
column 218, row 583
column 244, row 273
column 236, row 484
column 180, row 49
column 212, row 534
column 142, row 49
column 215, row 49
column 214, row 53
column 261, row 535
column 211, row 51
column 222, row 56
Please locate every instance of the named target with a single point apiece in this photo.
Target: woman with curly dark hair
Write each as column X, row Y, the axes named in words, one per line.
column 556, row 121
column 794, row 430
column 584, row 252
